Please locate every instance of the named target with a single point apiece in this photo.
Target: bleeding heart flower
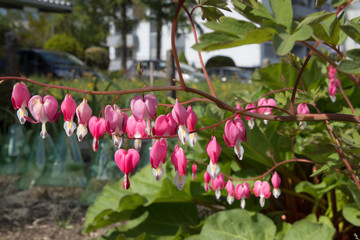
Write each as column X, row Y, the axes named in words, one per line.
column 250, row 120
column 302, row 108
column 231, row 192
column 235, row 134
column 275, row 180
column 213, row 149
column 97, row 128
column 115, row 123
column 266, row 110
column 191, row 122
column 20, row 97
column 207, row 179
column 179, row 114
column 136, row 129
column 217, row 184
column 83, row 113
column 242, row 191
column 68, row 108
column 127, row 162
column 193, row 168
column 165, row 125
column 333, row 89
column 179, row 160
column 262, row 190
column 144, row 108
column 43, row 110
column 238, row 106
column 158, row 154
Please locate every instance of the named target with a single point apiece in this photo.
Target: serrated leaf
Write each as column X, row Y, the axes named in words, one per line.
column 319, row 3
column 308, row 230
column 254, row 11
column 283, row 12
column 238, row 224
column 351, row 213
column 352, row 30
column 348, row 66
column 336, row 3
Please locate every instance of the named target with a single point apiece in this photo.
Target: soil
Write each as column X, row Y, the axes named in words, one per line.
column 41, row 213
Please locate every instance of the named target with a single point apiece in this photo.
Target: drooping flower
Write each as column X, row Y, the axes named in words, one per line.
column 158, row 154
column 179, row 114
column 262, row 190
column 251, row 121
column 217, row 184
column 266, row 110
column 333, row 84
column 242, row 191
column 193, row 168
column 144, row 108
column 165, row 125
column 207, row 179
column 20, row 97
column 275, row 180
column 190, row 123
column 136, row 129
column 43, row 110
column 68, row 108
column 235, row 134
column 179, row 160
column 115, row 123
column 83, row 113
column 97, row 128
column 127, row 162
column 213, row 150
column 302, row 108
column 231, row 192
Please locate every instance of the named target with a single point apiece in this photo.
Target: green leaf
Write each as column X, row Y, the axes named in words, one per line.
column 211, row 13
column 319, row 3
column 354, row 54
column 352, row 30
column 253, row 10
column 310, row 229
column 328, row 30
column 238, row 224
column 231, row 26
column 348, row 66
column 283, row 12
column 314, row 18
column 351, row 213
column 324, row 168
column 336, row 3
column 215, row 3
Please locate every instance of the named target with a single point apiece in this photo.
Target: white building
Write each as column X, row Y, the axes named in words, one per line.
column 142, row 42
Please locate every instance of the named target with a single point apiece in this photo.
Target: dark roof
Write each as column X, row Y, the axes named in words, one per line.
column 42, row 5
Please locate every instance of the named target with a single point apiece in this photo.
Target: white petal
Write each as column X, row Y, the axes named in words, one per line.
column 217, row 193
column 148, row 128
column 81, row 132
column 251, row 123
column 183, row 133
column 137, row 144
column 242, row 203
column 262, row 201
column 333, row 98
column 21, row 113
column 69, row 127
column 179, row 181
column 117, row 140
column 239, row 150
column 43, row 132
column 302, row 125
column 158, row 172
column 230, row 199
column 266, row 121
column 213, row 170
column 276, row 192
column 193, row 137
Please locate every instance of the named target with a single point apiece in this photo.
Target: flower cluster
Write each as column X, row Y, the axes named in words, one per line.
column 264, row 107
column 179, row 123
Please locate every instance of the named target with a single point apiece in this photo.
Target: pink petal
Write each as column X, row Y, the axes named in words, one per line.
column 138, row 107
column 83, row 112
column 213, row 150
column 68, row 107
column 179, row 113
column 152, row 104
column 20, row 95
column 191, row 119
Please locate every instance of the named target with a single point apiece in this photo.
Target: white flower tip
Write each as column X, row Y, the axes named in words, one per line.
column 43, row 132
column 179, row 181
column 137, row 144
column 242, row 203
column 333, row 98
column 276, row 192
column 217, row 193
column 251, row 123
column 183, row 133
column 266, row 121
column 262, row 201
column 193, row 137
column 158, row 173
column 69, row 127
column 81, row 132
column 302, row 125
column 117, row 140
column 21, row 113
column 95, row 144
column 239, row 150
column 230, row 199
column 213, row 170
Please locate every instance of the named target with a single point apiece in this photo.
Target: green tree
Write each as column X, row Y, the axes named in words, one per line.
column 65, row 43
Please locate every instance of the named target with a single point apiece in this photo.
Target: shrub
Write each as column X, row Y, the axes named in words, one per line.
column 97, row 57
column 220, row 61
column 64, row 43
